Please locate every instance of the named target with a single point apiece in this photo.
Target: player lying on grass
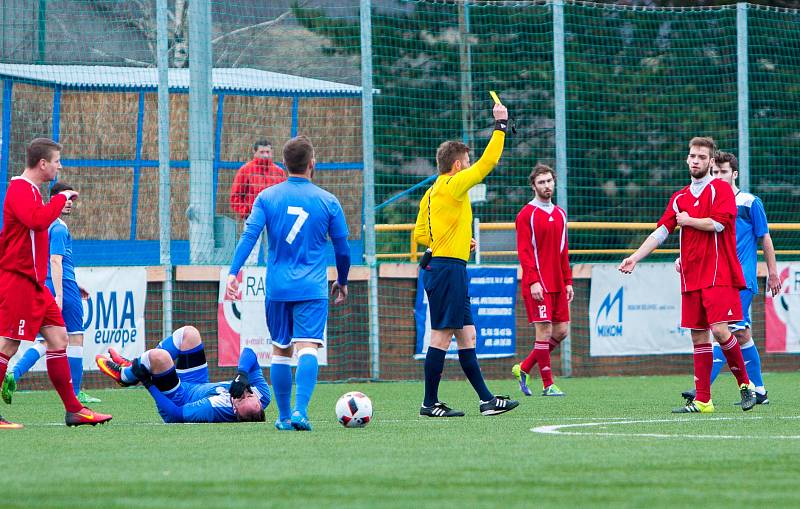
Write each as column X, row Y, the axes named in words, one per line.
column 176, row 375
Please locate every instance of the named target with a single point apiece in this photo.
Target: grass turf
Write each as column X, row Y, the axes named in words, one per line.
column 403, row 460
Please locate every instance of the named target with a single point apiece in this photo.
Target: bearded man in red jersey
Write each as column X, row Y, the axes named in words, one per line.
column 711, row 275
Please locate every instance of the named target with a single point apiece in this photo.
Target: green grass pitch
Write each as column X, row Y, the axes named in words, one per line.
column 402, row 460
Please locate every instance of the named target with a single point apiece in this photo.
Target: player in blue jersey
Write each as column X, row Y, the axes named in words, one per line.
column 64, row 287
column 298, row 217
column 751, row 225
column 176, row 375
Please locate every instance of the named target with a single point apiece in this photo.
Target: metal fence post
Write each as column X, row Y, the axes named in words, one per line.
column 368, row 144
column 201, row 147
column 465, row 67
column 559, row 77
column 164, row 213
column 743, row 97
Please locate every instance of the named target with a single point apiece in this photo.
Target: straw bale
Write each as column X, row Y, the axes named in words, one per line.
column 103, row 210
column 99, row 125
column 248, row 118
column 31, row 117
column 334, row 127
column 224, row 184
column 178, row 126
column 147, row 225
column 346, row 185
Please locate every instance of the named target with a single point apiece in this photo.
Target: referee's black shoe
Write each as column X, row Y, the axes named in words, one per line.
column 498, row 405
column 439, row 409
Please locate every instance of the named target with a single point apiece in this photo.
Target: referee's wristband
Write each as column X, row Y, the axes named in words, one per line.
column 501, row 125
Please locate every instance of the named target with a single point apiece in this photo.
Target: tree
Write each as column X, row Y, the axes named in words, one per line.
column 135, row 20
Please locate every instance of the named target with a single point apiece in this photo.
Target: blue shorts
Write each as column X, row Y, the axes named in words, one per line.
column 448, row 293
column 72, row 306
column 746, row 297
column 289, row 322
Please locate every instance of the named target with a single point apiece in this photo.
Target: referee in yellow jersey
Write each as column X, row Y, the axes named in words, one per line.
column 444, row 223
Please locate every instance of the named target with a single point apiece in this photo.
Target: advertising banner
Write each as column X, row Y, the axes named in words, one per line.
column 493, row 293
column 782, row 312
column 637, row 313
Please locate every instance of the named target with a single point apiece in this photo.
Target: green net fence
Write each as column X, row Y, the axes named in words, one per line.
column 639, row 83
column 774, row 73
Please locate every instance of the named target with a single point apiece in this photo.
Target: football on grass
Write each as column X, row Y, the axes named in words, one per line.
column 354, row 410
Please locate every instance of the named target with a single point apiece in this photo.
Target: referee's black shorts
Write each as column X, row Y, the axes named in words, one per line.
column 448, row 294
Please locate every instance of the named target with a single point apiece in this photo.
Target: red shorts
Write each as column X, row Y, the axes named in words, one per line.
column 703, row 308
column 554, row 308
column 25, row 307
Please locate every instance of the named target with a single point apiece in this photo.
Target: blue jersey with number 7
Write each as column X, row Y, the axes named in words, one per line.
column 299, row 217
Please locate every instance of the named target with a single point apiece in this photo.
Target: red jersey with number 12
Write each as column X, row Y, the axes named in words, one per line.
column 542, row 246
column 24, row 247
column 707, row 258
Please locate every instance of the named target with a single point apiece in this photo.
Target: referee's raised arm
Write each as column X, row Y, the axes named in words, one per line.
column 444, row 222
column 463, row 181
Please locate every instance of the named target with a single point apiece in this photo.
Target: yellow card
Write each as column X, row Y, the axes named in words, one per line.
column 494, row 97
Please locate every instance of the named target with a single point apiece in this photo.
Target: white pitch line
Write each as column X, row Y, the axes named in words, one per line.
column 557, row 429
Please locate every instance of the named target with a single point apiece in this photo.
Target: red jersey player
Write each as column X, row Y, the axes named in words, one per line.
column 711, row 275
column 27, row 307
column 546, row 277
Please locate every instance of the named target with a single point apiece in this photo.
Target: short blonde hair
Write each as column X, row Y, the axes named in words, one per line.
column 704, row 141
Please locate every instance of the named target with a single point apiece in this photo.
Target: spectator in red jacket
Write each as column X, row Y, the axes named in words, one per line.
column 253, row 177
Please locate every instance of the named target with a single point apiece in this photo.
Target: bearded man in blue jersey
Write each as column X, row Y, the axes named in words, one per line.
column 298, row 217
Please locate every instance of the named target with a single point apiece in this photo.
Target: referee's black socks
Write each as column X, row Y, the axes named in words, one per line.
column 469, row 363
column 434, row 365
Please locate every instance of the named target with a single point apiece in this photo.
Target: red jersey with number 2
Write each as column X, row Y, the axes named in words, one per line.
column 708, row 258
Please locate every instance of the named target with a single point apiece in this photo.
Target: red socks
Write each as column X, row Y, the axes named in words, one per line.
column 703, row 361
column 541, row 352
column 530, row 360
column 58, row 371
column 541, row 355
column 733, row 354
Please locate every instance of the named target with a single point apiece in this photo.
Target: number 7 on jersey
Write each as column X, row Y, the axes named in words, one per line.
column 302, row 215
